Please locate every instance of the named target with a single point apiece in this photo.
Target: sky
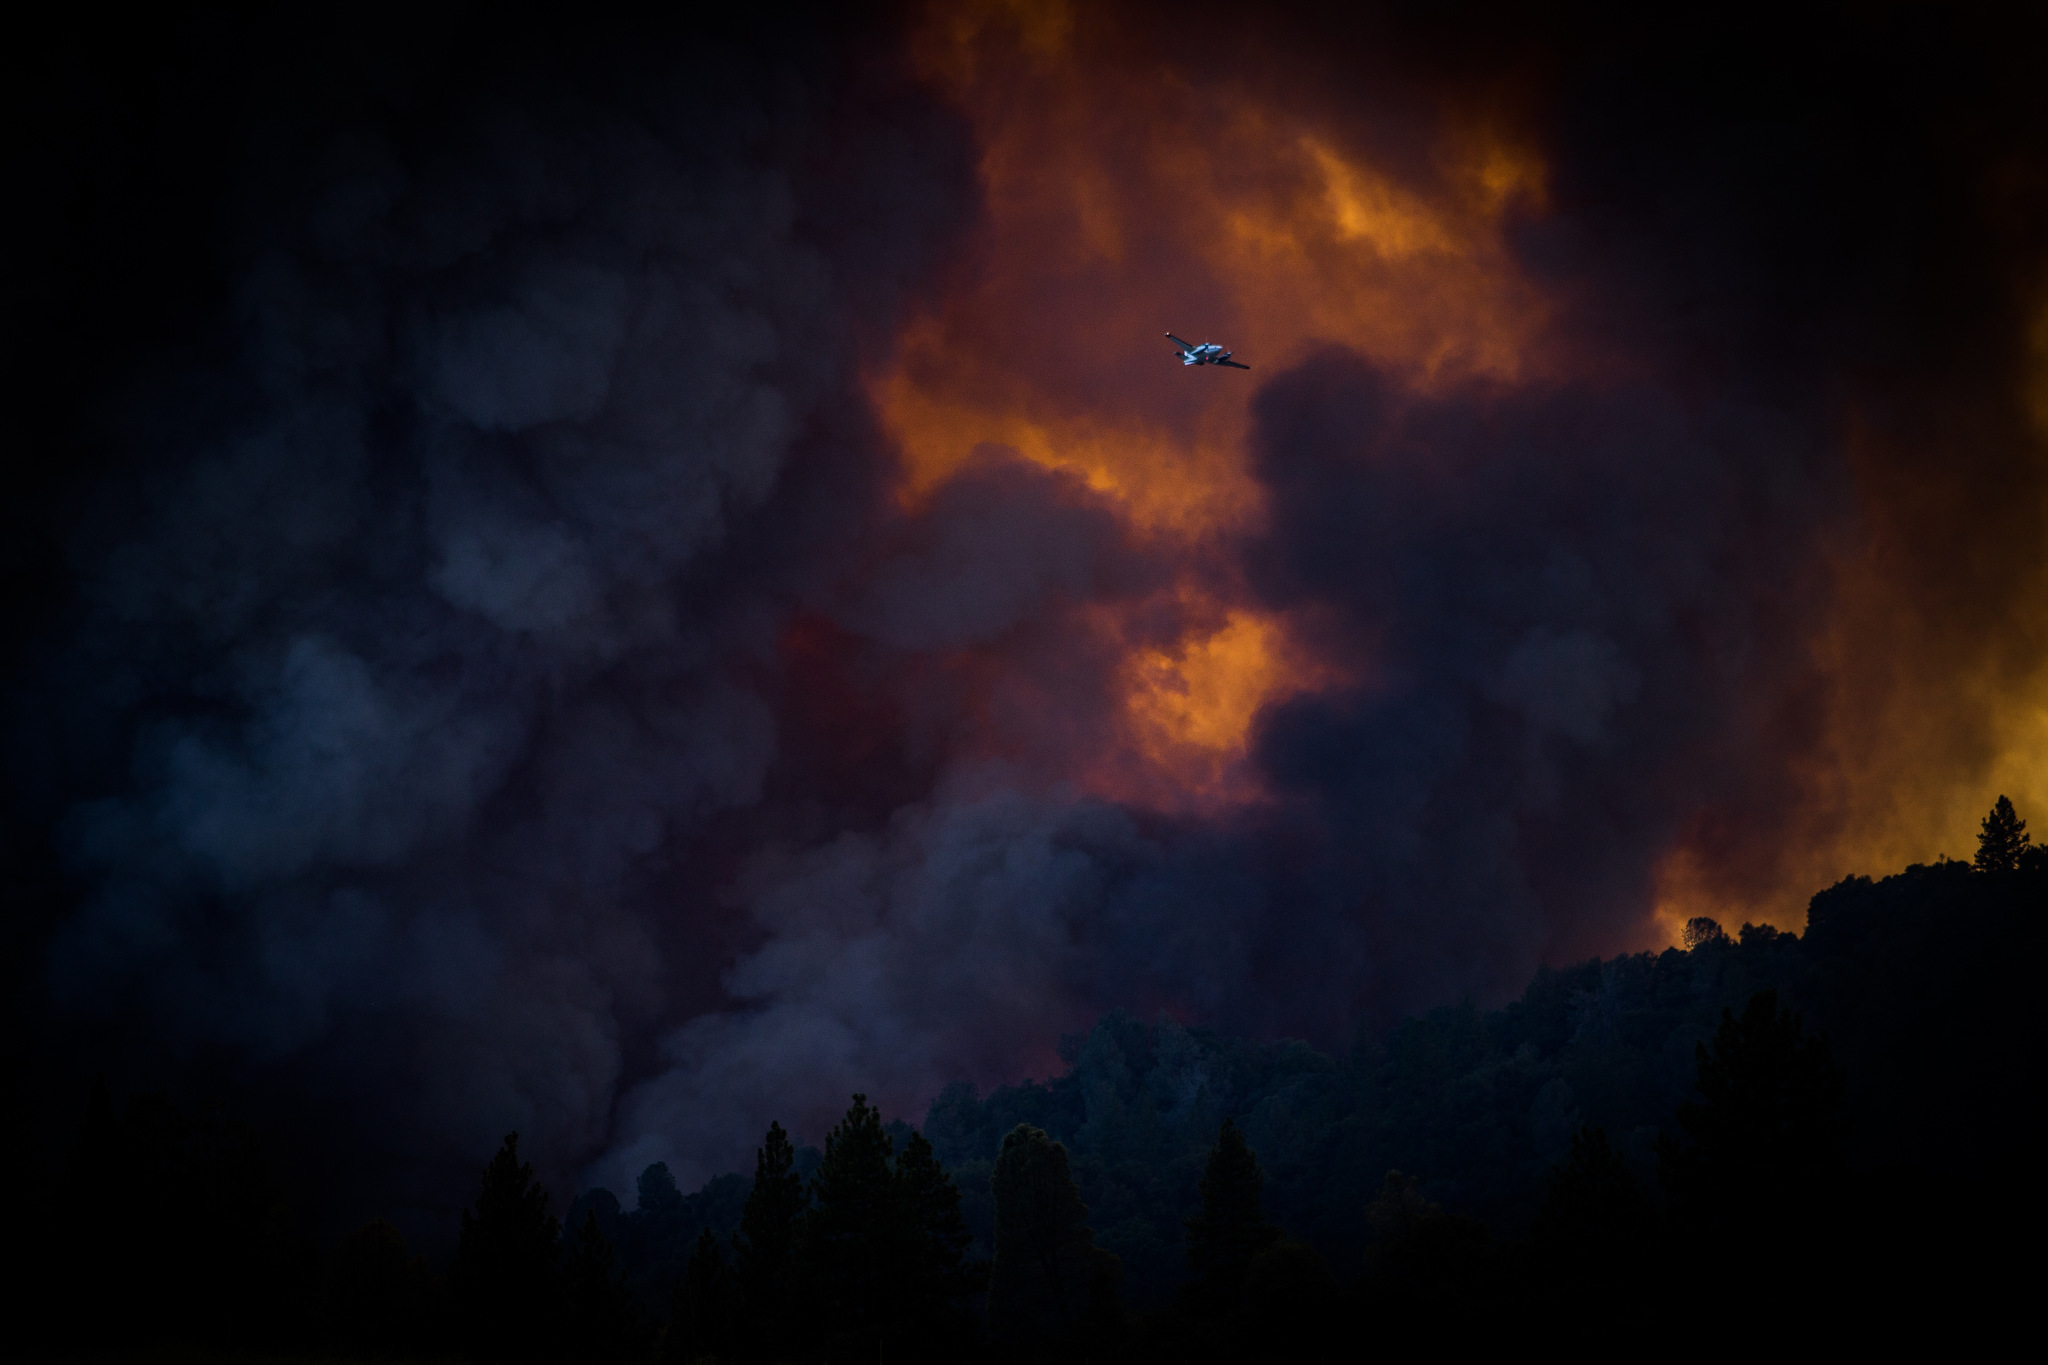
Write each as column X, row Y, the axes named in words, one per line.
column 625, row 580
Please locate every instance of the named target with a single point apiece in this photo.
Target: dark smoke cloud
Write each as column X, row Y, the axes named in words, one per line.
column 491, row 685
column 1001, row 544
column 423, row 611
column 1577, row 599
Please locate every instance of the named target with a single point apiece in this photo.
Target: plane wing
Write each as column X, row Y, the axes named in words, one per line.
column 1178, row 342
column 1232, row 364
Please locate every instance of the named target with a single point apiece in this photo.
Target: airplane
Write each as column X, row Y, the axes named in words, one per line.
column 1208, row 353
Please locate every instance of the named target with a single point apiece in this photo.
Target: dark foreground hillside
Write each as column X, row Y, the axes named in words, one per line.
column 1922, row 984
column 1841, row 1119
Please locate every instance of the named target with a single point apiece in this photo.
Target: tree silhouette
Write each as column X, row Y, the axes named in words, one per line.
column 1596, row 1224
column 765, row 1245
column 1049, row 1278
column 1420, row 1254
column 505, row 1273
column 656, row 1231
column 2002, row 839
column 602, row 1322
column 375, row 1293
column 1700, row 931
column 884, row 1245
column 933, row 1275
column 1288, row 1302
column 852, row 1237
column 1765, row 1147
column 1231, row 1229
column 702, row 1318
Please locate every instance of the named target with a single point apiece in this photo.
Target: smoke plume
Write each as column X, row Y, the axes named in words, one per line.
column 639, row 582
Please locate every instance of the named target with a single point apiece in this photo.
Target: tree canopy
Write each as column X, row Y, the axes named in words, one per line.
column 1767, row 1137
column 505, row 1264
column 765, row 1245
column 1231, row 1228
column 1048, row 1273
column 1459, row 1169
column 2002, row 839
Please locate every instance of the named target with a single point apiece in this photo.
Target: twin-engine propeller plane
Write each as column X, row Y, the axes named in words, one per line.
column 1208, row 353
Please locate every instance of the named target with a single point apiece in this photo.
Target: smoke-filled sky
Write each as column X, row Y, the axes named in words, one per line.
column 624, row 582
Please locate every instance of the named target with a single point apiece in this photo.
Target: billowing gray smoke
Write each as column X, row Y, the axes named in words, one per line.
column 425, row 627
column 477, row 774
column 1588, row 610
column 501, row 691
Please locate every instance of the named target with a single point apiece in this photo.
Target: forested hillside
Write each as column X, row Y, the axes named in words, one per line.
column 1919, row 983
column 1916, row 981
column 1619, row 1120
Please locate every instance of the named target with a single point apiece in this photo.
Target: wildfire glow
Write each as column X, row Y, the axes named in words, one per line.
column 1924, row 723
column 1123, row 202
column 1191, row 706
column 1125, row 197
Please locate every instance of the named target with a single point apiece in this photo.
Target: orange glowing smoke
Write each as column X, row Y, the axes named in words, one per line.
column 1927, row 714
column 1126, row 199
column 1126, row 196
column 1191, row 706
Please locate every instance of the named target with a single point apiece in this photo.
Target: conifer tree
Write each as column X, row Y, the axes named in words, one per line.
column 765, row 1246
column 505, row 1264
column 934, row 1278
column 2001, row 840
column 854, row 1237
column 701, row 1320
column 602, row 1321
column 1595, row 1212
column 374, row 1293
column 657, row 1229
column 1231, row 1229
column 1420, row 1251
column 1767, row 1143
column 1049, row 1277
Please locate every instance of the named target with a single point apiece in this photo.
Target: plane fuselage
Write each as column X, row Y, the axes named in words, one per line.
column 1208, row 353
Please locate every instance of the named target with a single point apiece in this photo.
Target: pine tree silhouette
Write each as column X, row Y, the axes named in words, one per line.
column 506, row 1277
column 852, row 1237
column 2002, row 839
column 765, row 1246
column 934, row 1278
column 1231, row 1229
column 702, row 1319
column 1048, row 1278
column 602, row 1322
column 1595, row 1212
column 375, row 1292
column 1765, row 1148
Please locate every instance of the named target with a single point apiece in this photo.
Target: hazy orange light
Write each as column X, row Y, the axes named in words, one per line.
column 1126, row 196
column 1124, row 201
column 1191, row 707
column 1920, row 727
